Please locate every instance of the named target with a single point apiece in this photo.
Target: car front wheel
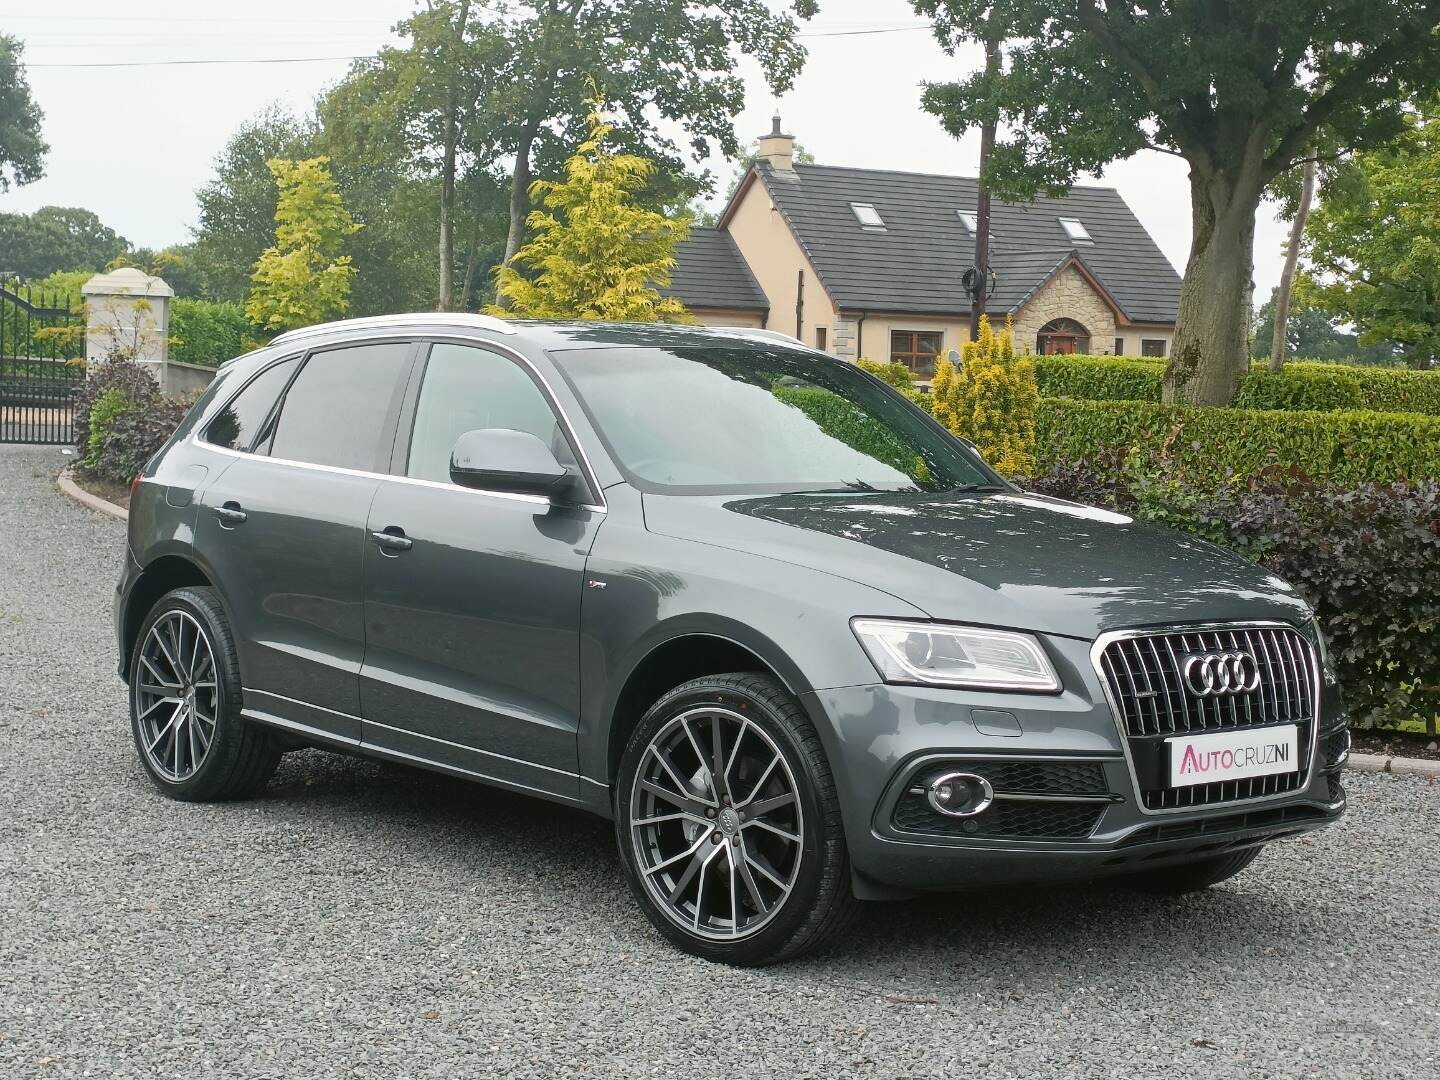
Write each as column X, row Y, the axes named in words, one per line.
column 729, row 825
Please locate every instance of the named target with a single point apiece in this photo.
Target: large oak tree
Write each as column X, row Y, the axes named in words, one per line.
column 1242, row 90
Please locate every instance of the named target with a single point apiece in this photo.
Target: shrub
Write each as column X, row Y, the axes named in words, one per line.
column 208, row 331
column 121, row 419
column 108, row 407
column 1304, row 386
column 1216, row 445
column 1366, row 558
column 991, row 400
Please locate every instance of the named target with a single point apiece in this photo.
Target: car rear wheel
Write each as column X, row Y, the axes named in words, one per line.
column 729, row 825
column 1192, row 876
column 185, row 704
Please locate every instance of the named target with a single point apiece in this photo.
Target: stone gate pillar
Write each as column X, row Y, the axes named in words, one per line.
column 127, row 313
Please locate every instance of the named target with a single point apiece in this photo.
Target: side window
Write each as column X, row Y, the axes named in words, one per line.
column 236, row 425
column 337, row 410
column 466, row 389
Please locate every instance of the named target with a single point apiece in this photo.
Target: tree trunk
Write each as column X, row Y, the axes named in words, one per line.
column 519, row 201
column 1210, row 354
column 1287, row 276
column 445, row 301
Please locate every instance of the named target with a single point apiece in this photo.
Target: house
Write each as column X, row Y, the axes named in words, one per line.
column 869, row 263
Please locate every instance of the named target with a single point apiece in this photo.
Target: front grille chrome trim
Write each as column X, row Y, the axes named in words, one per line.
column 1270, row 701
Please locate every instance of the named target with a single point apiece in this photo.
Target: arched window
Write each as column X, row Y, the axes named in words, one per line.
column 1062, row 336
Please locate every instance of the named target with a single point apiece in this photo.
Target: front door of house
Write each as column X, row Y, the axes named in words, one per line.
column 1056, row 344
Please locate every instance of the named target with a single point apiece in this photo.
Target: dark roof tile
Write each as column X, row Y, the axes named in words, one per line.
column 711, row 273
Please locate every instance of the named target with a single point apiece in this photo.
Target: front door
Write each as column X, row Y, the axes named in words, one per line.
column 283, row 530
column 472, row 627
column 1059, row 345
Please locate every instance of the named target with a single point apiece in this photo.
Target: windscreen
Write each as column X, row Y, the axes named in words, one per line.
column 719, row 419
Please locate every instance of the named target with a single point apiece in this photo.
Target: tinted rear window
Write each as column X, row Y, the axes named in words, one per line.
column 338, row 411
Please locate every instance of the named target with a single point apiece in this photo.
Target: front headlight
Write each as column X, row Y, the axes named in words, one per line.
column 937, row 654
column 1322, row 646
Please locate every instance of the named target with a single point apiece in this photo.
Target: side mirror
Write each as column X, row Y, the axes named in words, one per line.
column 499, row 459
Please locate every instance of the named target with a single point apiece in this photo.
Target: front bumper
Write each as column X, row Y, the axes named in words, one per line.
column 1067, row 805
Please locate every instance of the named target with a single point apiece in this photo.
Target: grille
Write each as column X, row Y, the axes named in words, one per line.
column 1146, row 679
column 1010, row 819
column 1032, row 777
column 1257, row 787
column 1145, row 676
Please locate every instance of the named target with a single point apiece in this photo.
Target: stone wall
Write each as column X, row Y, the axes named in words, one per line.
column 1068, row 296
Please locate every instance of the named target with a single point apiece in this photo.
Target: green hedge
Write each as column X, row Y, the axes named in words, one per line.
column 208, row 331
column 1346, row 447
column 1302, row 386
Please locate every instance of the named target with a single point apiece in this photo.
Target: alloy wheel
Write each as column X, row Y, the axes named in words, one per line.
column 716, row 823
column 177, row 696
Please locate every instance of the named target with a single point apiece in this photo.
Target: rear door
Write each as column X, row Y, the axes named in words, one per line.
column 472, row 631
column 283, row 530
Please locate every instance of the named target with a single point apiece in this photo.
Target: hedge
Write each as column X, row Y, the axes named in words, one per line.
column 1350, row 447
column 208, row 331
column 1302, row 386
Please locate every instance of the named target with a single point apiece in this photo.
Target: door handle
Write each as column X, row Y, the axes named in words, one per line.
column 230, row 515
column 392, row 540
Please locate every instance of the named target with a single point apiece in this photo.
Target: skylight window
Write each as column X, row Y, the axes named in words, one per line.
column 868, row 216
column 967, row 217
column 1076, row 230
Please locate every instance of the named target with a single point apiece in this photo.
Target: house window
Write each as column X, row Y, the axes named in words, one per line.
column 820, row 336
column 1152, row 346
column 916, row 349
column 868, row 216
column 1062, row 336
column 1119, row 346
column 967, row 217
column 1076, row 230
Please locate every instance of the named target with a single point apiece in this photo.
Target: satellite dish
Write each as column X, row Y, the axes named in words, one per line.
column 956, row 359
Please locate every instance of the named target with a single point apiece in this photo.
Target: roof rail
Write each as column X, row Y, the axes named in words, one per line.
column 415, row 318
column 757, row 334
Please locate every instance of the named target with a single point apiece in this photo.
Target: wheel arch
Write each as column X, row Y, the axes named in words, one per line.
column 685, row 653
column 164, row 574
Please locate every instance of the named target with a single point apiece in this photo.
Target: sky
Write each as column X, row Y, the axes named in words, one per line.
column 133, row 143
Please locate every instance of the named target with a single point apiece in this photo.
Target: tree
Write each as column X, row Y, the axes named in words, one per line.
column 22, row 150
column 303, row 278
column 596, row 254
column 1372, row 249
column 1242, row 92
column 57, row 238
column 237, row 207
column 676, row 60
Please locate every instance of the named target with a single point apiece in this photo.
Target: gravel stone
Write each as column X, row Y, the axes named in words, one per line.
column 362, row 920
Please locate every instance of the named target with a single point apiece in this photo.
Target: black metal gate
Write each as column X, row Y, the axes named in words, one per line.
column 42, row 367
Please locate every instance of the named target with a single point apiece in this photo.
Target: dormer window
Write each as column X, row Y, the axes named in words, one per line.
column 1076, row 230
column 868, row 216
column 969, row 220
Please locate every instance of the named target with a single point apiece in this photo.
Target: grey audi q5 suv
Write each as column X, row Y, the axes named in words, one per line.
column 801, row 644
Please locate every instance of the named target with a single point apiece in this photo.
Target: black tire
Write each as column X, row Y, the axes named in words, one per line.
column 1192, row 876
column 820, row 902
column 241, row 756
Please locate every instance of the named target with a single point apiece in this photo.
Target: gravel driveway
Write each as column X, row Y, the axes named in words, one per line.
column 363, row 920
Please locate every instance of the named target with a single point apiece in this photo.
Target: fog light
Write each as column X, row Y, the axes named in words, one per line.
column 959, row 794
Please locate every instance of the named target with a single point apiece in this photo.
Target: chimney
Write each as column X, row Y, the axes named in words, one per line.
column 777, row 148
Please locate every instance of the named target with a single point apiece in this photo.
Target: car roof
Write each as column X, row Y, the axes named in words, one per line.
column 546, row 334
